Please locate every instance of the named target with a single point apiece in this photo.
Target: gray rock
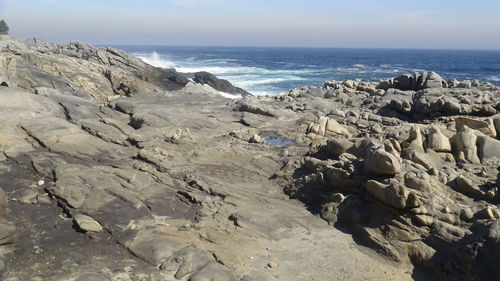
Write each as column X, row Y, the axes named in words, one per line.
column 218, row 84
column 92, row 276
column 214, row 271
column 4, row 202
column 9, row 233
column 154, row 248
column 87, row 223
column 186, row 261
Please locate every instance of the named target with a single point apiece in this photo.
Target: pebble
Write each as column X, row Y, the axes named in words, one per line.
column 272, row 265
column 41, row 182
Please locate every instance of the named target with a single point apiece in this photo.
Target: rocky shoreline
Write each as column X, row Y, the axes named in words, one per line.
column 113, row 169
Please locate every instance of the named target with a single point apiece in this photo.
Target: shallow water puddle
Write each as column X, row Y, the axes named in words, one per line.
column 277, row 140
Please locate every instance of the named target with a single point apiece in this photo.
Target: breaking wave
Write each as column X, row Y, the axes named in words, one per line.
column 157, row 60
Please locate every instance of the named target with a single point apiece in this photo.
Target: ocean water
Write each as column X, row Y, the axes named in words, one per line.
column 278, row 70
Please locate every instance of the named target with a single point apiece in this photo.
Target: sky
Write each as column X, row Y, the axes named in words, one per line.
column 431, row 24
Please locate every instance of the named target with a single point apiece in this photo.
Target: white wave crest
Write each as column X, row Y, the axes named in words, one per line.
column 155, row 59
column 230, row 96
column 255, row 80
column 493, row 78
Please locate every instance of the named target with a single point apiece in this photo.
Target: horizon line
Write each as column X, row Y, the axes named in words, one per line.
column 295, row 47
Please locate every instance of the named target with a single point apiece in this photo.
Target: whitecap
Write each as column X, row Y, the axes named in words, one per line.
column 155, row 59
column 494, row 78
column 230, row 96
column 359, row 65
column 265, row 81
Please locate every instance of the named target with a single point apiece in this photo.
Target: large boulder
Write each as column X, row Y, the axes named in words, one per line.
column 437, row 141
column 464, row 145
column 484, row 127
column 487, row 148
column 381, row 162
column 417, row 81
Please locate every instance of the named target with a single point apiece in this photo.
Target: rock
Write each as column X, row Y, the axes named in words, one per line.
column 272, row 265
column 186, row 261
column 92, row 276
column 417, row 81
column 256, row 139
column 338, row 146
column 429, row 159
column 437, row 141
column 393, row 194
column 43, row 199
column 254, row 106
column 433, row 80
column 328, row 128
column 464, row 145
column 496, row 123
column 4, row 203
column 380, row 162
column 87, row 223
column 468, row 187
column 479, row 125
column 333, row 128
column 487, row 213
column 9, row 233
column 214, row 271
column 218, row 84
column 28, row 197
column 488, row 148
column 154, row 248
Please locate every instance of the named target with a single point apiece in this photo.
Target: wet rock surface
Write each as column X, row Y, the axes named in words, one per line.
column 112, row 169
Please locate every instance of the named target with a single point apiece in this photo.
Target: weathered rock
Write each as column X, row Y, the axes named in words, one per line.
column 87, row 223
column 154, row 248
column 464, row 145
column 4, row 202
column 479, row 125
column 9, row 233
column 437, row 141
column 380, row 162
column 488, row 148
column 392, row 194
column 213, row 271
column 186, row 261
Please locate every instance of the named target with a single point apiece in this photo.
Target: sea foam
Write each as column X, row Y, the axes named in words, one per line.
column 155, row 59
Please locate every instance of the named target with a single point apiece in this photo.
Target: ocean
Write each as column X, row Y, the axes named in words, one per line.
column 277, row 70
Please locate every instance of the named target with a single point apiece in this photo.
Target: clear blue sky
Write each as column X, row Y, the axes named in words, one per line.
column 457, row 24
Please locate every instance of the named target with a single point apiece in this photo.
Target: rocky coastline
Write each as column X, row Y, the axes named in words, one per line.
column 112, row 169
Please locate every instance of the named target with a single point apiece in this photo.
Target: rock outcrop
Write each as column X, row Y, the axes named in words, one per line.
column 112, row 169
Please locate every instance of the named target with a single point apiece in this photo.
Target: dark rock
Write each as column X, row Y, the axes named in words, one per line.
column 218, row 84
